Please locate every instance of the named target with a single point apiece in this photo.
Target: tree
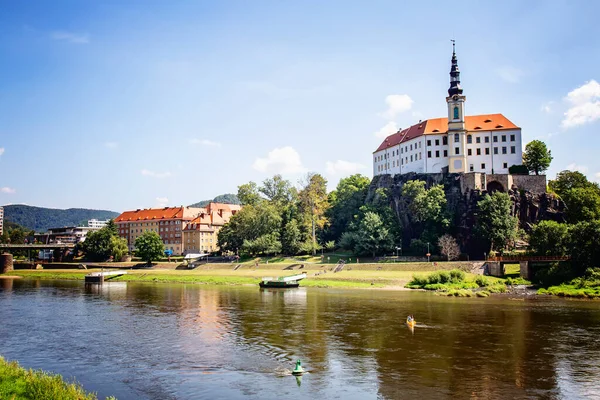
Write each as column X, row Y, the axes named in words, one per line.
column 292, row 238
column 495, row 224
column 118, row 247
column 583, row 204
column 97, row 245
column 268, row 244
column 278, row 190
column 112, row 227
column 425, row 204
column 448, row 247
column 567, row 180
column 149, row 246
column 313, row 198
column 248, row 194
column 537, row 157
column 549, row 238
column 372, row 236
column 345, row 201
column 585, row 246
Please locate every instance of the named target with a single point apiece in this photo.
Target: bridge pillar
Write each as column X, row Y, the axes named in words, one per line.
column 6, row 263
column 495, row 268
column 526, row 270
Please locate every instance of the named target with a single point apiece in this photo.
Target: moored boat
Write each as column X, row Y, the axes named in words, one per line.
column 292, row 281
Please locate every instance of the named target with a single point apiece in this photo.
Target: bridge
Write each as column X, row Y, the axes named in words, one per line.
column 495, row 265
column 38, row 246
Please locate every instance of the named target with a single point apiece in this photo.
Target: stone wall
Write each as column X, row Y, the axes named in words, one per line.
column 532, row 183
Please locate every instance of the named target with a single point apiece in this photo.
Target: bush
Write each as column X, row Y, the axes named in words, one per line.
column 482, row 293
column 482, row 281
column 457, row 275
column 518, row 170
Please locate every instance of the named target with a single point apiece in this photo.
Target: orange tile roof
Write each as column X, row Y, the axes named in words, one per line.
column 151, row 214
column 437, row 126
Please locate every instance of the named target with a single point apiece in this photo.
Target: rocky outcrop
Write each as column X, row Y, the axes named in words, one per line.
column 529, row 207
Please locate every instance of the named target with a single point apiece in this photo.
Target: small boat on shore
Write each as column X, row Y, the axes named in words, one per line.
column 292, row 281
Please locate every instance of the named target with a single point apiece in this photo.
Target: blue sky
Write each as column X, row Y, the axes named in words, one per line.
column 120, row 105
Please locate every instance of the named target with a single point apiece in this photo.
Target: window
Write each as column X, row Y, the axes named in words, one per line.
column 504, row 138
column 487, row 139
column 471, row 167
column 429, row 143
column 393, row 163
column 411, row 147
column 402, row 150
column 513, row 149
column 445, row 140
column 455, row 112
column 456, row 138
column 420, row 156
column 411, row 158
column 477, row 140
column 495, row 139
column 445, row 153
column 504, row 150
column 487, row 151
column 437, row 153
column 469, row 152
column 505, row 165
column 437, row 142
column 419, row 144
column 456, row 150
column 512, row 138
column 482, row 165
column 478, row 151
column 469, row 139
column 495, row 150
column 429, row 154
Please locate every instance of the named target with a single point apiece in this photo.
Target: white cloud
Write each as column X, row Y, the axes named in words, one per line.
column 574, row 167
column 280, row 160
column 547, row 107
column 8, row 190
column 153, row 174
column 387, row 130
column 71, row 37
column 205, row 142
column 397, row 103
column 585, row 105
column 597, row 176
column 111, row 145
column 1, row 150
column 162, row 201
column 341, row 167
column 509, row 74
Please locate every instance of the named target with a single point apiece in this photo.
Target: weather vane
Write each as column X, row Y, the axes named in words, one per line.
column 453, row 42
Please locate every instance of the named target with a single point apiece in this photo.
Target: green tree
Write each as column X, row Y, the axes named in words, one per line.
column 149, row 246
column 567, row 180
column 313, row 199
column 583, row 204
column 495, row 224
column 268, row 244
column 292, row 238
column 278, row 190
column 112, row 227
column 118, row 247
column 345, row 201
column 372, row 236
column 537, row 157
column 248, row 194
column 549, row 238
column 425, row 204
column 97, row 245
column 585, row 246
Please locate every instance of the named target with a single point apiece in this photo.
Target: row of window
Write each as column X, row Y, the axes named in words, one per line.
column 153, row 223
column 166, row 229
column 513, row 150
column 471, row 169
column 203, row 240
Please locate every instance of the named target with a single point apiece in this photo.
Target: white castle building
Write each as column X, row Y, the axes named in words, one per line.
column 488, row 143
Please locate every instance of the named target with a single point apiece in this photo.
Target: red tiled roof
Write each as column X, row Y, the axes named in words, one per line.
column 151, row 214
column 437, row 126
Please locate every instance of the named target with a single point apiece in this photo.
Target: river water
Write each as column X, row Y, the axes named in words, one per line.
column 161, row 341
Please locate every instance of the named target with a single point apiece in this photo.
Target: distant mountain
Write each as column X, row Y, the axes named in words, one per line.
column 40, row 219
column 227, row 198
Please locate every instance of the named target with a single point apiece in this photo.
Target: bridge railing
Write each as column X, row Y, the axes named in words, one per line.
column 529, row 258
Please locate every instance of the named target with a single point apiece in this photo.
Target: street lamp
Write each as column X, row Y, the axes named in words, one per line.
column 397, row 248
column 428, row 253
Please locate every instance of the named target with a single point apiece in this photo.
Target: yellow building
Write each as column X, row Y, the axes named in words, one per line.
column 200, row 234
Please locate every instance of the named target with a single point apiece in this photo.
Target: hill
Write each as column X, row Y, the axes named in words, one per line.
column 40, row 219
column 227, row 198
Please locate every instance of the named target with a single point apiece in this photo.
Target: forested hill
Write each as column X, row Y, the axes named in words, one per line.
column 40, row 219
column 227, row 198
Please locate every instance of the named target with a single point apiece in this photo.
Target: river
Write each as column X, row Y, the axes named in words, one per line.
column 162, row 341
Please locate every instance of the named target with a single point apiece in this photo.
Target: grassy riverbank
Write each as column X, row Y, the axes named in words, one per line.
column 17, row 383
column 318, row 275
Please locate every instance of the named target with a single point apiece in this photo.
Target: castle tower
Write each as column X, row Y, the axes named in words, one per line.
column 457, row 159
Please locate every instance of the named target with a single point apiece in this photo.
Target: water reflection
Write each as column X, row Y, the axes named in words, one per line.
column 190, row 341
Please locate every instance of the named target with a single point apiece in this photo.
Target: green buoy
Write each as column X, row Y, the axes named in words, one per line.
column 298, row 370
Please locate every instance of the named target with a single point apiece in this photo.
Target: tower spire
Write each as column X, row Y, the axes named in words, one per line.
column 454, row 74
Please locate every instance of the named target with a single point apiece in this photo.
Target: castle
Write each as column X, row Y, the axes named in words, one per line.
column 482, row 147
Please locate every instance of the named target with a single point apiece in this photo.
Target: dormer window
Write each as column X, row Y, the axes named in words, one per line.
column 455, row 112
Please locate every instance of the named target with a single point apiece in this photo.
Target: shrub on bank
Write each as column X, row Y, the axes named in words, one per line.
column 18, row 383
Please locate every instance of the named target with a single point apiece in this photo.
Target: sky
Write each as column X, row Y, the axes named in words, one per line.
column 133, row 104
